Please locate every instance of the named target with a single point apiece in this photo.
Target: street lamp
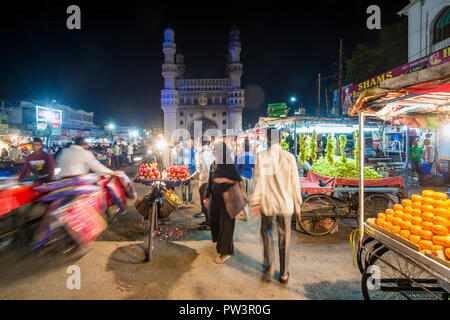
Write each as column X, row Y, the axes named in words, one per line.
column 293, row 99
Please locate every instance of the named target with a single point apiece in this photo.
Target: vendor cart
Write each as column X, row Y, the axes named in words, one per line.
column 331, row 199
column 154, row 206
column 393, row 267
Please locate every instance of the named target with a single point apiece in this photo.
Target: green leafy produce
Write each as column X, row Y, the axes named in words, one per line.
column 340, row 169
column 313, row 147
column 356, row 151
column 331, row 148
column 342, row 144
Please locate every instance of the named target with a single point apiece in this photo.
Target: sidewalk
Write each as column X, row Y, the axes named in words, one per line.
column 183, row 267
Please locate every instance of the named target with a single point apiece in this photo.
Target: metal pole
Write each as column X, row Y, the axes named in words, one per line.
column 318, row 96
column 341, row 71
column 362, row 150
column 407, row 154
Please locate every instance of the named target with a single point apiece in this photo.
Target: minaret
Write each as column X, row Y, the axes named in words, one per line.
column 169, row 95
column 236, row 95
column 180, row 65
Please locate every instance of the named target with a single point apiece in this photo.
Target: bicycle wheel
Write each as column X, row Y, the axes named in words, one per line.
column 319, row 215
column 150, row 232
column 393, row 281
column 368, row 244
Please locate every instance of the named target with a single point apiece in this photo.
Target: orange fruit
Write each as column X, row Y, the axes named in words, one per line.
column 380, row 222
column 440, row 230
column 387, row 225
column 426, row 234
column 440, row 196
column 417, row 220
column 417, row 205
column 389, row 211
column 440, row 204
column 396, row 229
column 398, row 207
column 408, row 209
column 405, row 234
column 398, row 213
column 381, row 216
column 390, row 218
column 423, row 251
column 444, row 213
column 416, row 230
column 438, row 240
column 407, row 203
column 442, row 221
column 417, row 212
column 425, row 244
column 436, row 247
column 427, row 225
column 397, row 221
column 408, row 217
column 428, row 216
column 427, row 193
column 416, row 198
column 447, row 241
column 448, row 203
column 406, row 225
column 414, row 238
column 429, row 201
column 447, row 253
column 427, row 208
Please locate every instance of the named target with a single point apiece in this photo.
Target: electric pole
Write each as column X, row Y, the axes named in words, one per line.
column 318, row 96
column 340, row 79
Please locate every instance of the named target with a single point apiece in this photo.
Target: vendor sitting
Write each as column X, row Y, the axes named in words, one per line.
column 39, row 163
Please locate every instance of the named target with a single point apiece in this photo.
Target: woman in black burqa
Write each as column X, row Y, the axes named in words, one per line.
column 222, row 176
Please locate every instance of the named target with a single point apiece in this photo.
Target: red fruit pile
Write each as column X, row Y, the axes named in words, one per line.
column 176, row 173
column 149, row 171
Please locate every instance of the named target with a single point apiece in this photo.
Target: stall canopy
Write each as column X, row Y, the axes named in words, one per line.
column 424, row 104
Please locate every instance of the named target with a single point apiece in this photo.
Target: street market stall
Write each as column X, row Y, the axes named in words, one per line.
column 405, row 252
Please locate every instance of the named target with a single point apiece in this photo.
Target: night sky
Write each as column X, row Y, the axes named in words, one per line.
column 112, row 66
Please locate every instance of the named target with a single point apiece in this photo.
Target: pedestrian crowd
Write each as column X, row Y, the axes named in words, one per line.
column 265, row 185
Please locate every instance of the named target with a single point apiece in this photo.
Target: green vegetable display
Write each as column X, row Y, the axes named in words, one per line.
column 342, row 144
column 313, row 147
column 331, row 149
column 340, row 169
column 356, row 151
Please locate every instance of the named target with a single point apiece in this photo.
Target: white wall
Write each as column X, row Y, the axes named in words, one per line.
column 421, row 18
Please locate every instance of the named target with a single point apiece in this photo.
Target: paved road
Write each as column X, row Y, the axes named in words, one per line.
column 183, row 267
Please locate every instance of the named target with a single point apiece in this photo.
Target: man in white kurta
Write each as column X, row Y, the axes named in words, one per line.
column 277, row 195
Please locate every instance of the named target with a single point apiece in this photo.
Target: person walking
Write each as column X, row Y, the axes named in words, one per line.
column 130, row 151
column 204, row 158
column 77, row 159
column 245, row 161
column 276, row 196
column 186, row 157
column 116, row 155
column 222, row 176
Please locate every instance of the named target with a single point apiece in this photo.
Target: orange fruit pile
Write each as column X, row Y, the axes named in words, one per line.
column 423, row 220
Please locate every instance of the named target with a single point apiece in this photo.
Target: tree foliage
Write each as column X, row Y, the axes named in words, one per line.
column 389, row 51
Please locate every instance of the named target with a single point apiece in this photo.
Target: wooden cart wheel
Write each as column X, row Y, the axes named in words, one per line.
column 392, row 279
column 318, row 215
column 376, row 203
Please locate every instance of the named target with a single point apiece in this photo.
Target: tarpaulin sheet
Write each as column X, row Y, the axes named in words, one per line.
column 333, row 182
column 310, row 185
column 11, row 199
